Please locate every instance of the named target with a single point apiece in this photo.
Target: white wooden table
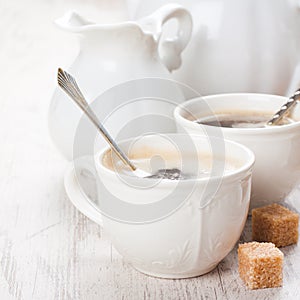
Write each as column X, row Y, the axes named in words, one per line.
column 48, row 250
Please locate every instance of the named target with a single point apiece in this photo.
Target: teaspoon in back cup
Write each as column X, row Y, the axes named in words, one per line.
column 285, row 109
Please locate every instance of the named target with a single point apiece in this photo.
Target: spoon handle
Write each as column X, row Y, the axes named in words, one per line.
column 285, row 109
column 69, row 85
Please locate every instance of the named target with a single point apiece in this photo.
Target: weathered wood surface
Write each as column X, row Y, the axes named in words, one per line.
column 48, row 250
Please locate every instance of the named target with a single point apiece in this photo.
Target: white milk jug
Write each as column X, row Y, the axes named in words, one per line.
column 111, row 54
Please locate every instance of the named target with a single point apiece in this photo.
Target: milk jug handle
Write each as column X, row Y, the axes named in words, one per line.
column 170, row 48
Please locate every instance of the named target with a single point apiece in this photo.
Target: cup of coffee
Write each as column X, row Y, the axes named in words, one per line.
column 175, row 226
column 241, row 117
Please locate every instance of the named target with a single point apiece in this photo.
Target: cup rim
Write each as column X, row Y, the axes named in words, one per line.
column 249, row 163
column 262, row 130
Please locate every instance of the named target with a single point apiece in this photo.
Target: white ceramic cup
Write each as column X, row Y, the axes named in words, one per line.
column 277, row 149
column 189, row 235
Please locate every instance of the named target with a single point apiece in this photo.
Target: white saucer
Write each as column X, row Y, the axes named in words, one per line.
column 86, row 203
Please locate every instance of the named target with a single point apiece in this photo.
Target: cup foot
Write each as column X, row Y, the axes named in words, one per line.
column 174, row 275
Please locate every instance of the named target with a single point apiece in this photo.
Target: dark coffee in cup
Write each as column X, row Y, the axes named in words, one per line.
column 240, row 120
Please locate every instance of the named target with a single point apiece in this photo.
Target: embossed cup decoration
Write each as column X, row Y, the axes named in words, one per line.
column 175, row 228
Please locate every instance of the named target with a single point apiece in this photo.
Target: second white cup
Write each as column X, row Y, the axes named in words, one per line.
column 277, row 167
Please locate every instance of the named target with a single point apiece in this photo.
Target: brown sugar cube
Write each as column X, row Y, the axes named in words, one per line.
column 260, row 265
column 276, row 224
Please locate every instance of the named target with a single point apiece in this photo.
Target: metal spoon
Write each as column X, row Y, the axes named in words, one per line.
column 69, row 85
column 285, row 109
